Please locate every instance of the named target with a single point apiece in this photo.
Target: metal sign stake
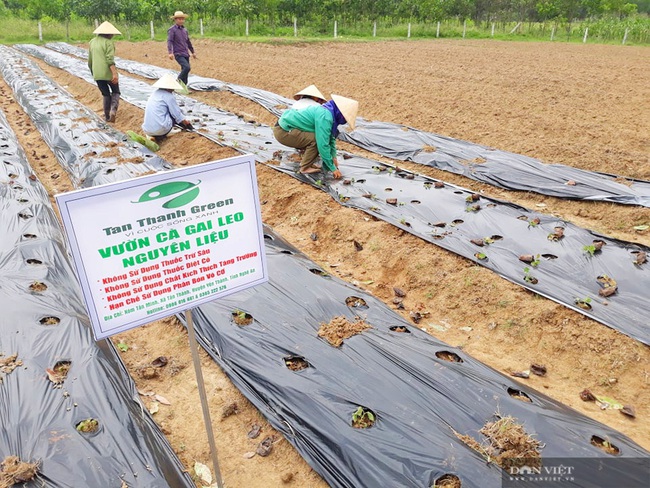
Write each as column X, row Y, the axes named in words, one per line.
column 204, row 399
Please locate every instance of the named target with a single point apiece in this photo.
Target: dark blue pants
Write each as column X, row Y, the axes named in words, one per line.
column 184, row 61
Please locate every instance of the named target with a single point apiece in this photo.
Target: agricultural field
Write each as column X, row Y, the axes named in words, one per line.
column 584, row 106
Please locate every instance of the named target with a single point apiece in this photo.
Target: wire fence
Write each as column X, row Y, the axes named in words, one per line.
column 628, row 31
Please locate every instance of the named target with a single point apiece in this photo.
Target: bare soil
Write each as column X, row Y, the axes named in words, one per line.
column 339, row 328
column 583, row 106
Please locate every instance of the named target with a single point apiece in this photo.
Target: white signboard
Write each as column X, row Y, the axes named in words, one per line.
column 149, row 247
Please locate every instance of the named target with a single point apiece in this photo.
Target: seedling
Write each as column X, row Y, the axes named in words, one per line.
column 583, row 303
column 535, row 262
column 241, row 318
column 427, row 185
column 528, row 277
column 122, row 346
column 88, row 426
column 363, row 418
column 589, row 249
column 534, row 222
column 480, row 256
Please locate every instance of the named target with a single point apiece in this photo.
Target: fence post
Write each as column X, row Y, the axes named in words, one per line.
column 584, row 39
column 295, row 27
column 151, row 27
column 374, row 29
column 552, row 33
column 40, row 32
column 515, row 28
column 408, row 33
column 624, row 37
column 335, row 28
column 246, row 27
column 201, row 26
column 464, row 28
column 438, row 30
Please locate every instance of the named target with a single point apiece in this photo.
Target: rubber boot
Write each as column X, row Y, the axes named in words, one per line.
column 115, row 102
column 107, row 107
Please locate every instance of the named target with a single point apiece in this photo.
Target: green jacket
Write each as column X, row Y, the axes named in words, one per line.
column 318, row 120
column 101, row 56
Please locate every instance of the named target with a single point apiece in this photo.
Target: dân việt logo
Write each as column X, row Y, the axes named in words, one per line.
column 183, row 192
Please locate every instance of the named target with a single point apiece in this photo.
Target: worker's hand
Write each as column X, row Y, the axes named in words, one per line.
column 187, row 125
column 336, row 163
column 194, row 55
column 114, row 79
column 337, row 174
column 171, row 56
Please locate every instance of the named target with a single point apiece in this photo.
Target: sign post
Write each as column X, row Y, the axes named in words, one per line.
column 156, row 245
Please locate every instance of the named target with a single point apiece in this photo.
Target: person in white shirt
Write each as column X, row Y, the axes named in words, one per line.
column 162, row 110
column 308, row 97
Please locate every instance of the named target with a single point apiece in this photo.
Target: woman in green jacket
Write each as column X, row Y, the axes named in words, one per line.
column 101, row 61
column 314, row 130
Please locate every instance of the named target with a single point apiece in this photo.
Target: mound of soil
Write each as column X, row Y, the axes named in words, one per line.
column 13, row 471
column 507, row 444
column 340, row 328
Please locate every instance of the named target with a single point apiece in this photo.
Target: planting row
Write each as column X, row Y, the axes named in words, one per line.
column 65, row 400
column 488, row 165
column 493, row 233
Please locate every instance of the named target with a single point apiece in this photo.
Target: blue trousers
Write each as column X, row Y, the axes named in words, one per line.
column 184, row 61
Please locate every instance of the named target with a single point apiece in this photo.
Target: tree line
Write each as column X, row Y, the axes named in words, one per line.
column 351, row 11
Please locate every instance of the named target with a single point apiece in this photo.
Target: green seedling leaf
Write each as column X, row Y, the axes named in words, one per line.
column 122, row 346
column 641, row 227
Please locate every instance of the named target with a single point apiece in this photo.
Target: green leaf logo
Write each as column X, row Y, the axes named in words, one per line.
column 184, row 190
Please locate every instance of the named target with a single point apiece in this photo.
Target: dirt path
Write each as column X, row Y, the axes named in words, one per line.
column 543, row 100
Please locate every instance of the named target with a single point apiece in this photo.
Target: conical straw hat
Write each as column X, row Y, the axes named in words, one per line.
column 107, row 28
column 348, row 108
column 169, row 82
column 178, row 14
column 310, row 91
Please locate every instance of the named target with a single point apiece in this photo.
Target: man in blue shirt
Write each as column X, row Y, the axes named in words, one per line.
column 179, row 45
column 162, row 110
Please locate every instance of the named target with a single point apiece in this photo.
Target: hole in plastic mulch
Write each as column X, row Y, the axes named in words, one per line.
column 241, row 318
column 363, row 418
column 549, row 256
column 60, row 371
column 269, row 237
column 24, row 216
column 88, row 427
column 496, row 237
column 447, row 481
column 605, row 445
column 38, row 286
column 416, row 202
column 29, row 236
column 360, row 181
column 50, row 320
column 458, row 192
column 452, row 357
column 33, row 261
column 318, row 272
column 388, row 189
column 519, row 395
column 296, row 363
column 457, row 222
column 400, row 328
column 286, row 251
column 356, row 302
